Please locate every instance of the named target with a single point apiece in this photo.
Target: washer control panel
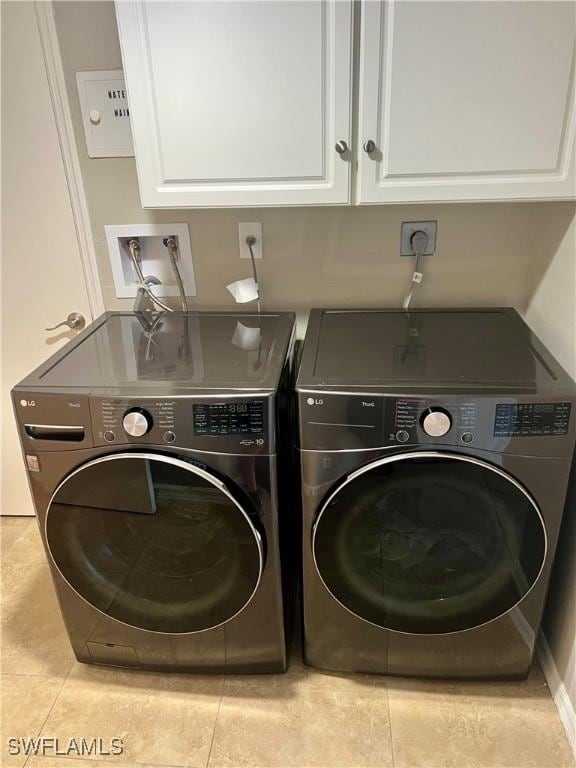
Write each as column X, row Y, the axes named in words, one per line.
column 238, row 418
column 137, row 422
column 436, row 422
column 230, row 425
column 120, row 418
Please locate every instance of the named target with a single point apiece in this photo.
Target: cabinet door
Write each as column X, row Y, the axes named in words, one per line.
column 239, row 103
column 467, row 100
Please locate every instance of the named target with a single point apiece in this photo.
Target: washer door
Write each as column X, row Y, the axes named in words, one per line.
column 429, row 543
column 155, row 542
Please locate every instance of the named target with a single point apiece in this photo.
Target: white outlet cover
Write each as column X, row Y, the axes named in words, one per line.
column 154, row 256
column 244, row 230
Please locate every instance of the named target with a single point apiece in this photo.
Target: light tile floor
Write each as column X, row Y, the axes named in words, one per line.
column 302, row 719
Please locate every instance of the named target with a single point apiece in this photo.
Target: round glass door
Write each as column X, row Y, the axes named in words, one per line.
column 429, row 543
column 155, row 542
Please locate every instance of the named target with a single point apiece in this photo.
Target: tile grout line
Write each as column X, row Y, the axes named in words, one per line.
column 64, row 680
column 215, row 724
column 27, row 674
column 15, row 541
column 390, row 724
column 113, row 763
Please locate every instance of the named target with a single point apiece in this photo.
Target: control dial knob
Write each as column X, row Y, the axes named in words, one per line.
column 137, row 422
column 436, row 422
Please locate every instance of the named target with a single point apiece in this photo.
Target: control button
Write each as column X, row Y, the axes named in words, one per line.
column 402, row 436
column 436, row 422
column 109, row 436
column 169, row 436
column 467, row 437
column 137, row 422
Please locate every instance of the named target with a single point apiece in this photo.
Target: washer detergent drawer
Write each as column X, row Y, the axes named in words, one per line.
column 155, row 542
column 67, row 434
column 52, row 422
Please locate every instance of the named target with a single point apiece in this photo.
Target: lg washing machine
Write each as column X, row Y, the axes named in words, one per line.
column 435, row 452
column 158, row 453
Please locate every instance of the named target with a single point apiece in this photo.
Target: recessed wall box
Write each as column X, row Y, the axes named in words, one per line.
column 153, row 255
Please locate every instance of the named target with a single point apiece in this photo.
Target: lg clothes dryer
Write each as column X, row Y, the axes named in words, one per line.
column 435, row 453
column 153, row 446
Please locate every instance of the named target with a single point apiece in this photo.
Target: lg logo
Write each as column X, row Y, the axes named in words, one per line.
column 27, row 403
column 315, row 401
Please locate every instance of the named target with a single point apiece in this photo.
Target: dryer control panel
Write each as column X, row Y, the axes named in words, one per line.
column 532, row 419
column 354, row 422
column 409, row 413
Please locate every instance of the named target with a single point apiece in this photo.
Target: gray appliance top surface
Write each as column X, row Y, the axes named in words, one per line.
column 178, row 351
column 395, row 350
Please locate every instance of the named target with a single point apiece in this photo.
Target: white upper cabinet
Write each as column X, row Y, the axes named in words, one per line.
column 247, row 102
column 239, row 103
column 466, row 101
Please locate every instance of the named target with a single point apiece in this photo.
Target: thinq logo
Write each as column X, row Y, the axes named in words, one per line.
column 47, row 745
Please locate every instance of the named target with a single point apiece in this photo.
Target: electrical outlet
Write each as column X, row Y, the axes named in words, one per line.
column 408, row 229
column 246, row 229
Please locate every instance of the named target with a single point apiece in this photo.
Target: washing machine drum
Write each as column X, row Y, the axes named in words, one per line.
column 155, row 542
column 429, row 543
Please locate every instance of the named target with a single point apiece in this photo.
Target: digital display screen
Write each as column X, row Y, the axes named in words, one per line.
column 229, row 418
column 531, row 419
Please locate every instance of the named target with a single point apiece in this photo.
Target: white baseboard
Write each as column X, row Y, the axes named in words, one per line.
column 558, row 690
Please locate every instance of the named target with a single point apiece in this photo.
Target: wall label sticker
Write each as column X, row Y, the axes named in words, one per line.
column 105, row 113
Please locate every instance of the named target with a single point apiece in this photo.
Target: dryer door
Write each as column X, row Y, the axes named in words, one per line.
column 155, row 542
column 429, row 543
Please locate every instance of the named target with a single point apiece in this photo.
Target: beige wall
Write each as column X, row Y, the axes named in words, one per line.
column 552, row 314
column 312, row 256
column 501, row 254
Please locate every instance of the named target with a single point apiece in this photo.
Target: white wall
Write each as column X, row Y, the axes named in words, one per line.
column 551, row 311
column 552, row 315
column 42, row 278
